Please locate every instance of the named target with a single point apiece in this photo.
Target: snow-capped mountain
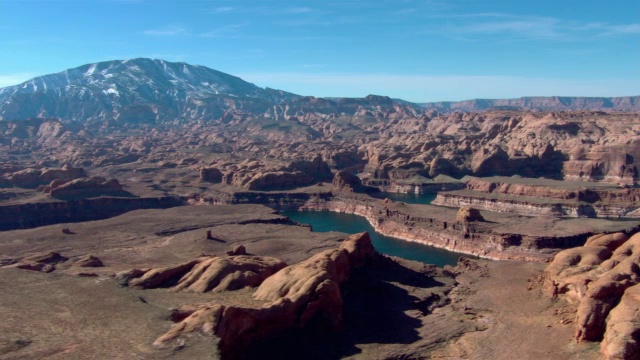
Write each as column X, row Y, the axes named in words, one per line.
column 136, row 90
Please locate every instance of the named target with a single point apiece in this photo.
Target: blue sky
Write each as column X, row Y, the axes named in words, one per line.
column 418, row 50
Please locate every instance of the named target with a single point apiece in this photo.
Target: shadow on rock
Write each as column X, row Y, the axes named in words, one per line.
column 375, row 301
column 374, row 308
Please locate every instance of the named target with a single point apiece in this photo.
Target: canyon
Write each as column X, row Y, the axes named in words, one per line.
column 158, row 185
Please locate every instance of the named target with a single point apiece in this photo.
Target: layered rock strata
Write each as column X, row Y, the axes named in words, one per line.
column 406, row 223
column 548, row 198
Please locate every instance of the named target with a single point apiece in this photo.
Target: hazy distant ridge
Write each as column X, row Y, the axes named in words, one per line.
column 551, row 103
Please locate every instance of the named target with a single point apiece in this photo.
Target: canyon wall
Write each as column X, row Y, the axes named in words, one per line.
column 32, row 215
column 430, row 188
column 453, row 236
column 535, row 208
column 545, row 198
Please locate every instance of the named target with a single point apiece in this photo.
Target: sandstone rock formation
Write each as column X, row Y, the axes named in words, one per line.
column 623, row 325
column 33, row 177
column 468, row 214
column 294, row 297
column 45, row 262
column 160, row 277
column 228, row 273
column 237, row 250
column 84, row 187
column 210, row 274
column 610, row 241
column 346, row 181
column 89, row 261
column 545, row 197
column 597, row 276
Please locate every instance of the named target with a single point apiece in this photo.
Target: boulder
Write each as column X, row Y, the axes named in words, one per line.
column 237, row 250
column 45, row 262
column 46, row 258
column 89, row 261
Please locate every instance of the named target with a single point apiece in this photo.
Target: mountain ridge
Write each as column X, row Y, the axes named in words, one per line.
column 143, row 90
column 551, row 103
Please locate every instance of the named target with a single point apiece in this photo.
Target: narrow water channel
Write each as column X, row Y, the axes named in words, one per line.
column 325, row 221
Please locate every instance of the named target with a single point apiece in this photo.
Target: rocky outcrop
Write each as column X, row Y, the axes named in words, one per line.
column 213, row 175
column 34, row 177
column 162, row 277
column 597, row 276
column 489, row 161
column 89, row 261
column 550, row 189
column 279, row 180
column 542, row 197
column 316, row 168
column 621, row 341
column 84, row 187
column 345, row 181
column 468, row 214
column 297, row 296
column 610, row 241
column 207, row 274
column 228, row 273
column 602, row 295
column 44, row 262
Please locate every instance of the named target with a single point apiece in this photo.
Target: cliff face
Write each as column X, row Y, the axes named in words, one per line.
column 39, row 214
column 552, row 199
column 403, row 188
column 569, row 146
column 453, row 236
column 523, row 207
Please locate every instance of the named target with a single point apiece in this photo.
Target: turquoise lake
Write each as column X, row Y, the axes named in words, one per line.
column 325, row 221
